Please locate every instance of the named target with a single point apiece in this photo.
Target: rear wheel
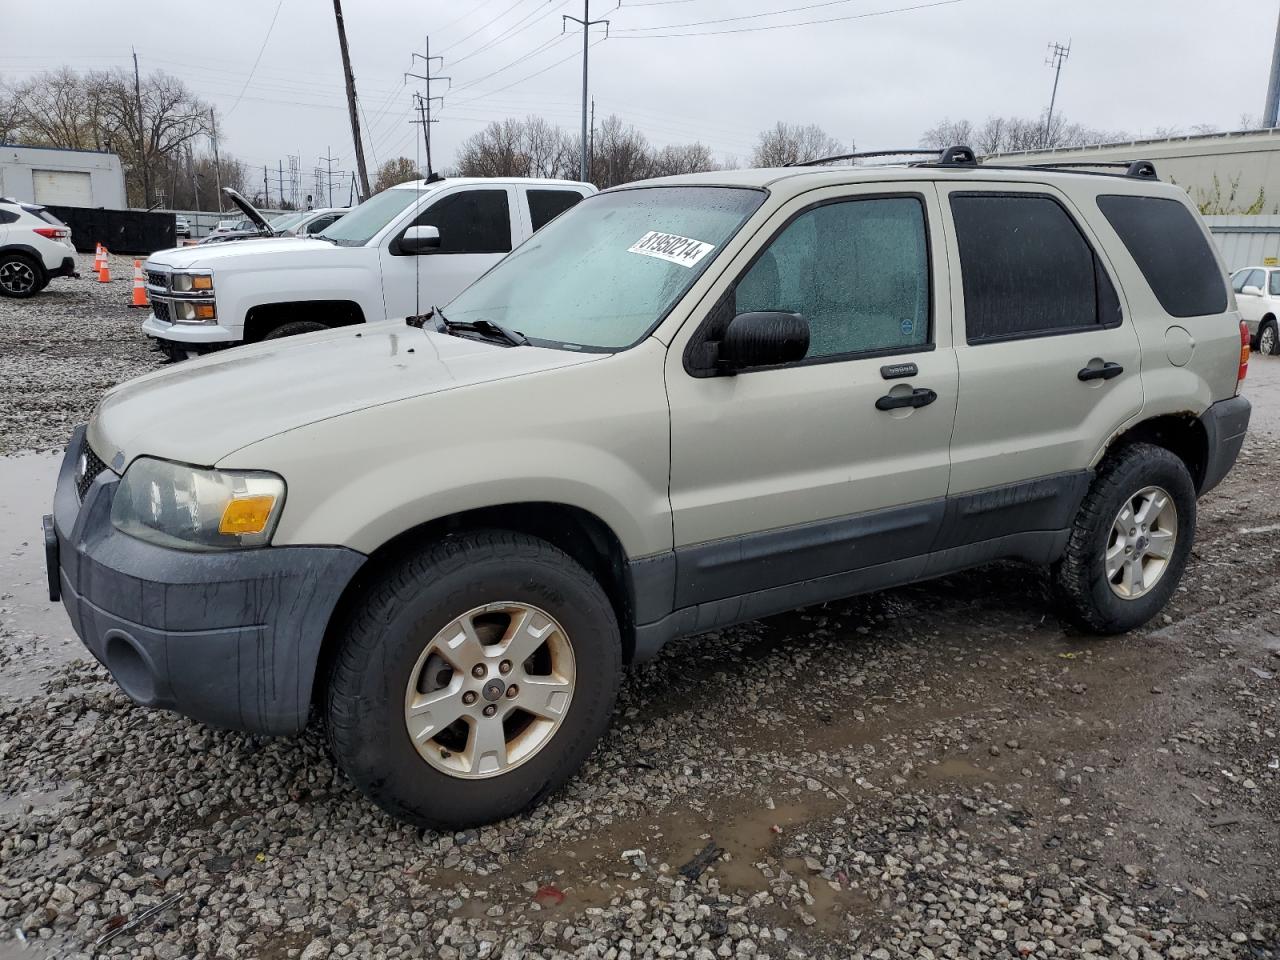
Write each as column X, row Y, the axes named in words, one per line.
column 20, row 276
column 473, row 679
column 295, row 328
column 1130, row 540
column 1268, row 340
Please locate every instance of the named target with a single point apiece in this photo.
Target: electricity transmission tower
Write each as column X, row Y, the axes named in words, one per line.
column 328, row 158
column 587, row 24
column 1058, row 55
column 422, row 102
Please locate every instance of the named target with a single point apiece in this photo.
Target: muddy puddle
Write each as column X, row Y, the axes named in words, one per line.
column 35, row 635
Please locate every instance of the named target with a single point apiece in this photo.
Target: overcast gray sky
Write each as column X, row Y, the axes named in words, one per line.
column 881, row 79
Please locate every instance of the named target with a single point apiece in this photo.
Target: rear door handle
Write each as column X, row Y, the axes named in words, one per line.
column 1108, row 371
column 920, row 397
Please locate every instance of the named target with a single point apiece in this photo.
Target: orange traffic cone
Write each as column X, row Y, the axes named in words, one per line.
column 104, row 271
column 139, row 287
column 99, row 257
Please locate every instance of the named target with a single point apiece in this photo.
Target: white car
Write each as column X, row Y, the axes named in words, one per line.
column 181, row 227
column 1257, row 292
column 395, row 255
column 35, row 247
column 306, row 222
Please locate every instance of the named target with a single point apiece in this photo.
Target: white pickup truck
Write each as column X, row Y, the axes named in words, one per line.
column 395, row 255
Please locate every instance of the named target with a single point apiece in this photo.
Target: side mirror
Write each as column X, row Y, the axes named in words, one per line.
column 763, row 339
column 420, row 240
column 1251, row 291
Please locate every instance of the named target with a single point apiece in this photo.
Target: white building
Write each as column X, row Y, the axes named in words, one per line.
column 65, row 178
column 1224, row 173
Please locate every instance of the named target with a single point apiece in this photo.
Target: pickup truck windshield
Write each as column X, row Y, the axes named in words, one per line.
column 363, row 223
column 603, row 274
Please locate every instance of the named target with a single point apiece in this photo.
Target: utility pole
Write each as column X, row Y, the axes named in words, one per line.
column 142, row 134
column 1269, row 112
column 587, row 24
column 217, row 165
column 266, row 188
column 329, row 158
column 281, row 171
column 424, row 102
column 591, row 151
column 350, row 79
column 1057, row 56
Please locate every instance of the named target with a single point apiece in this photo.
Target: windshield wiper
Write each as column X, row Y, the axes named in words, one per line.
column 488, row 328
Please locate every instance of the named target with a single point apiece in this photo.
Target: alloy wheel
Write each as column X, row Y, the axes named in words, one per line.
column 1141, row 544
column 16, row 276
column 490, row 690
column 1267, row 340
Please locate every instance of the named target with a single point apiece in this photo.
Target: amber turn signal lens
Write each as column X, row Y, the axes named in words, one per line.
column 246, row 515
column 201, row 283
column 205, row 311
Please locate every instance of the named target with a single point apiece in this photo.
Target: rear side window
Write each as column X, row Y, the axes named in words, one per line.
column 1170, row 249
column 8, row 216
column 1027, row 270
column 546, row 205
column 473, row 221
column 1274, row 288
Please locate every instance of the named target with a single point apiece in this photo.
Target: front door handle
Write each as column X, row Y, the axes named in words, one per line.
column 1108, row 371
column 920, row 397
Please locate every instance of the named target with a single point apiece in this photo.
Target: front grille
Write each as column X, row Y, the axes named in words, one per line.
column 87, row 471
column 157, row 279
column 161, row 310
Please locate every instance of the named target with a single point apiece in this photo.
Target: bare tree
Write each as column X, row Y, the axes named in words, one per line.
column 622, row 154
column 786, row 143
column 398, row 170
column 683, row 158
column 1014, row 134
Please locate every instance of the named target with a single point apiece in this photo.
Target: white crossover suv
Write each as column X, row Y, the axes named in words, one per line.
column 682, row 404
column 35, row 247
column 1257, row 291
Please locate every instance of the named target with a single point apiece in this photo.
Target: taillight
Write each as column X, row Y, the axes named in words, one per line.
column 53, row 233
column 1244, row 354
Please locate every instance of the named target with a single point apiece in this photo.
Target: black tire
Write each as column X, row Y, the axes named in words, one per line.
column 1268, row 338
column 1080, row 576
column 20, row 276
column 403, row 607
column 294, row 328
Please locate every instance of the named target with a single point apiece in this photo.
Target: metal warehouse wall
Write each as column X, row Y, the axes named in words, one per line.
column 20, row 167
column 1244, row 164
column 1246, row 241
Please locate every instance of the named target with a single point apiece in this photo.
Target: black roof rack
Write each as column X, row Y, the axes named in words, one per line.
column 951, row 156
column 962, row 156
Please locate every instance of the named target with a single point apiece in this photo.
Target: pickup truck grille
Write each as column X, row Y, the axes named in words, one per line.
column 93, row 466
column 161, row 310
column 157, row 279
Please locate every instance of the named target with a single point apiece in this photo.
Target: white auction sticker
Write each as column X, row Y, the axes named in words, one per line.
column 669, row 247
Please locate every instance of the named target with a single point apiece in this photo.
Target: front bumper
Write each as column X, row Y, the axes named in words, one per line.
column 1225, row 425
column 194, row 334
column 231, row 638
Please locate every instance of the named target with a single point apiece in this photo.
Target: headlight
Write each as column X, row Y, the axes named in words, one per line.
column 175, row 505
column 190, row 282
column 185, row 312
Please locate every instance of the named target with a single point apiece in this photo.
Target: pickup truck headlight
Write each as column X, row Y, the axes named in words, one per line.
column 192, row 282
column 185, row 312
column 189, row 508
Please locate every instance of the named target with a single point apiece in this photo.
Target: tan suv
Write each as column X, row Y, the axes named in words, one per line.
column 683, row 404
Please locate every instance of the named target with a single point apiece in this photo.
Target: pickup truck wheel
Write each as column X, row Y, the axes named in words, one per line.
column 20, row 276
column 294, row 328
column 1130, row 540
column 473, row 679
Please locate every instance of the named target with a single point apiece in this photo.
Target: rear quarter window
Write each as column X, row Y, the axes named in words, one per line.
column 546, row 205
column 1170, row 249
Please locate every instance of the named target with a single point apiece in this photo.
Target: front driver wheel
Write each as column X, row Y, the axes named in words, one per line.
column 295, row 328
column 473, row 679
column 1130, row 540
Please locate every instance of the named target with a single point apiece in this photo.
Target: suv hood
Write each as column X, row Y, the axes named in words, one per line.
column 200, row 411
column 249, row 210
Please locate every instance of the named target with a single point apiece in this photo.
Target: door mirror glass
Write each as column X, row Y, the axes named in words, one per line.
column 1251, row 291
column 425, row 239
column 764, row 339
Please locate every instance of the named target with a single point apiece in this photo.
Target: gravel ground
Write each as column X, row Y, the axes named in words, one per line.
column 943, row 770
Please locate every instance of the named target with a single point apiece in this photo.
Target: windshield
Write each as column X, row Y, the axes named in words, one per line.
column 285, row 221
column 363, row 223
column 603, row 274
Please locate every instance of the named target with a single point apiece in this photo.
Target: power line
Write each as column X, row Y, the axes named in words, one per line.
column 516, row 83
column 540, row 48
column 784, row 26
column 510, row 32
column 745, row 16
column 258, row 58
column 485, row 25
